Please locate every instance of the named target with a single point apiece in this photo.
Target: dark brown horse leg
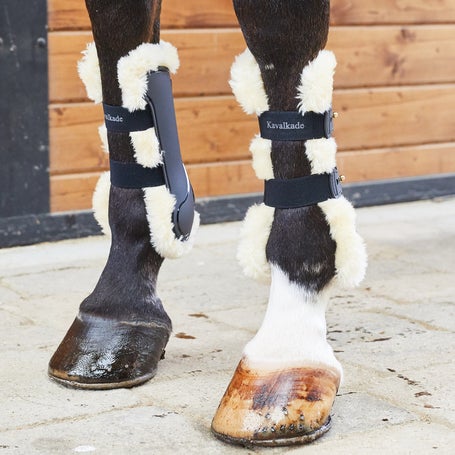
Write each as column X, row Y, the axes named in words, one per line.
column 122, row 328
column 284, row 387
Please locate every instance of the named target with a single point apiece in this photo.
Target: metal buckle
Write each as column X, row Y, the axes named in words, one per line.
column 335, row 184
column 328, row 123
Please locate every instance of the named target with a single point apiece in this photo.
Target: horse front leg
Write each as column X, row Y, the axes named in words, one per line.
column 284, row 387
column 121, row 330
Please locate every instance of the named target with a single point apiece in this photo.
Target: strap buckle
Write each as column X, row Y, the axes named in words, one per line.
column 335, row 183
column 328, row 123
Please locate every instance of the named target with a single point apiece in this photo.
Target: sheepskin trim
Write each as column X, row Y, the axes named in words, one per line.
column 88, row 68
column 133, row 68
column 321, row 155
column 102, row 133
column 146, row 147
column 316, row 84
column 159, row 204
column 100, row 202
column 261, row 149
column 254, row 235
column 351, row 256
column 145, row 144
column 247, row 85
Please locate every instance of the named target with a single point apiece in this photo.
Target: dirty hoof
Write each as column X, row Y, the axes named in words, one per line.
column 100, row 353
column 276, row 407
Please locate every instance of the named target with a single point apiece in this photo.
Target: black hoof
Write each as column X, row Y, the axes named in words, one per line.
column 101, row 353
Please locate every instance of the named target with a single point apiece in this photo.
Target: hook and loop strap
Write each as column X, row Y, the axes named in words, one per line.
column 133, row 175
column 293, row 126
column 302, row 191
column 118, row 119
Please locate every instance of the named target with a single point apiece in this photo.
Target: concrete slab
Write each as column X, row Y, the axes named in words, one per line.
column 394, row 336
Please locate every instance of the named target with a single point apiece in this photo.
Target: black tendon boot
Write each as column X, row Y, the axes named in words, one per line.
column 121, row 330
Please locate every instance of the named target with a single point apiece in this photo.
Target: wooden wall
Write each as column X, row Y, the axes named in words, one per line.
column 395, row 91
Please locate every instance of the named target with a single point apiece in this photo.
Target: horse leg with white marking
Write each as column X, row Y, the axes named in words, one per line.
column 122, row 328
column 303, row 235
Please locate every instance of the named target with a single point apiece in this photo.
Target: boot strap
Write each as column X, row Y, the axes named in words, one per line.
column 159, row 113
column 294, row 126
column 119, row 119
column 302, row 191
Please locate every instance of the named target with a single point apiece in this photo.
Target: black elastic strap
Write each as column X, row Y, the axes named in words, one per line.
column 293, row 126
column 302, row 191
column 133, row 175
column 118, row 119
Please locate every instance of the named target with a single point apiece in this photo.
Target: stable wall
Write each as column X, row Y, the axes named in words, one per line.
column 394, row 90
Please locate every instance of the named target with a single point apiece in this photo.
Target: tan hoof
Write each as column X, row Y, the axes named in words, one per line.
column 98, row 353
column 276, row 407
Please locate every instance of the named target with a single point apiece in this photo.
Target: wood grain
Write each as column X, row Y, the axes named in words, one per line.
column 71, row 14
column 395, row 91
column 367, row 56
column 214, row 129
column 74, row 191
column 386, row 117
column 210, row 130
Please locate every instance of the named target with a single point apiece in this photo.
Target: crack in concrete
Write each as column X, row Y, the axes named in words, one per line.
column 423, row 324
column 56, row 421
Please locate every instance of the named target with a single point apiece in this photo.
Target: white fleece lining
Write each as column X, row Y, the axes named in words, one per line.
column 247, row 85
column 293, row 332
column 102, row 133
column 159, row 204
column 314, row 94
column 248, row 88
column 254, row 235
column 133, row 68
column 321, row 154
column 100, row 202
column 100, row 198
column 316, row 83
column 261, row 150
column 351, row 256
column 89, row 71
column 146, row 147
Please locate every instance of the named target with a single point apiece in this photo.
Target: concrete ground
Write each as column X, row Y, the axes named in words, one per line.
column 394, row 335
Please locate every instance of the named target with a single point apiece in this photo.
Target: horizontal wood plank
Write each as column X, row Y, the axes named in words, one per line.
column 74, row 191
column 397, row 162
column 214, row 129
column 387, row 117
column 385, row 56
column 71, row 14
column 367, row 56
column 205, row 57
column 210, row 130
column 351, row 12
column 75, row 145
